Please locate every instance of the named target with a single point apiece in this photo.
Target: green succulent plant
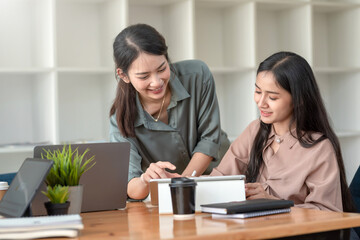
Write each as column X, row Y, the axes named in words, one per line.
column 57, row 194
column 68, row 166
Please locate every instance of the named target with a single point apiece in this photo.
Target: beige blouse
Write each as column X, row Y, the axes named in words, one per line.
column 308, row 176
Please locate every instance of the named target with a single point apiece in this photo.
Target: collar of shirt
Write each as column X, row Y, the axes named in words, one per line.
column 178, row 93
column 287, row 139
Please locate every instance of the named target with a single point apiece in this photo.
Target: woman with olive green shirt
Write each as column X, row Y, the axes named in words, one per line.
column 177, row 122
column 193, row 123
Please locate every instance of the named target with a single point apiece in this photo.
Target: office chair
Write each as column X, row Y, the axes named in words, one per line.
column 355, row 193
column 7, row 177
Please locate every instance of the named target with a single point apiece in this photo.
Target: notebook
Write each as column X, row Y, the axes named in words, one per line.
column 247, row 206
column 41, row 227
column 251, row 214
column 16, row 201
column 105, row 185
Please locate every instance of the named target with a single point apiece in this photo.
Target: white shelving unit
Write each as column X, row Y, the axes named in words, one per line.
column 57, row 72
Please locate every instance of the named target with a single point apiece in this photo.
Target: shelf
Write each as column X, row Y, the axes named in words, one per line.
column 29, row 147
column 57, row 76
column 21, row 147
column 350, row 151
column 333, row 6
column 339, row 70
column 280, row 5
column 235, row 95
column 86, row 70
column 348, row 134
column 27, row 104
column 283, row 27
column 28, row 41
column 24, row 71
column 335, row 45
column 220, row 32
column 164, row 16
column 85, row 32
column 335, row 2
column 83, row 114
column 341, row 99
column 225, row 70
column 156, row 3
column 16, row 149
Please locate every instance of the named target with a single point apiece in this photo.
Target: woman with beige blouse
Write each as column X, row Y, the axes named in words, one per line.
column 291, row 152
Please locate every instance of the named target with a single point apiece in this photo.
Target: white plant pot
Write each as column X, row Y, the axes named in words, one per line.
column 75, row 199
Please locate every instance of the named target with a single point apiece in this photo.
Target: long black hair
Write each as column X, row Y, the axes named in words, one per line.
column 294, row 74
column 127, row 46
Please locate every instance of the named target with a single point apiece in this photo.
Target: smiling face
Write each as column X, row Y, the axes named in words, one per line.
column 274, row 102
column 149, row 74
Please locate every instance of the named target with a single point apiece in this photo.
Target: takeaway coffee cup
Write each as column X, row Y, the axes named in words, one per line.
column 3, row 188
column 183, row 197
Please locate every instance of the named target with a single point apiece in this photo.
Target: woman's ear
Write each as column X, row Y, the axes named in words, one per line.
column 122, row 75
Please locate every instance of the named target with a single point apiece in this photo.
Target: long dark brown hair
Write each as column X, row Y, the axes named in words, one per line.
column 293, row 73
column 127, row 46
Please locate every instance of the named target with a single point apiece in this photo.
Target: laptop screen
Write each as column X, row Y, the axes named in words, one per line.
column 24, row 186
column 104, row 185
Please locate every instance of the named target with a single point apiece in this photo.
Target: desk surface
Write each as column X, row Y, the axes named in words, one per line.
column 142, row 221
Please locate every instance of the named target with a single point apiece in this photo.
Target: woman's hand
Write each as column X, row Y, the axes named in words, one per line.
column 157, row 170
column 256, row 190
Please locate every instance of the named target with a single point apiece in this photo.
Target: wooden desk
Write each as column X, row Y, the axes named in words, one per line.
column 142, row 221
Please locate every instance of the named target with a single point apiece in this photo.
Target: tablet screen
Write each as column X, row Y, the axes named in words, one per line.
column 24, row 186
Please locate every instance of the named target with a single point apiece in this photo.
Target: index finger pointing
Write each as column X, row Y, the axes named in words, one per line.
column 166, row 165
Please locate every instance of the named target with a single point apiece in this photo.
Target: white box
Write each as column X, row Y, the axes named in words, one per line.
column 208, row 190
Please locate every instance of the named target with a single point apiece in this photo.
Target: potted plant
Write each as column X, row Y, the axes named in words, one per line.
column 68, row 167
column 58, row 196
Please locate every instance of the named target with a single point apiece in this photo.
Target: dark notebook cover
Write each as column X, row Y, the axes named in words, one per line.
column 246, row 206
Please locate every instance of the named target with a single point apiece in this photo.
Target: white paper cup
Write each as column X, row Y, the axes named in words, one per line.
column 3, row 188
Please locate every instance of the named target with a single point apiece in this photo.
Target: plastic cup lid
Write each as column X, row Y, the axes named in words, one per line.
column 182, row 182
column 4, row 185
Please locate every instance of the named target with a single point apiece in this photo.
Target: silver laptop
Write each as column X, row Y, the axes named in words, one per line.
column 105, row 184
column 24, row 186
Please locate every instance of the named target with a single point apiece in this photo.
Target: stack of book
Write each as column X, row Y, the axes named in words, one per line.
column 247, row 208
column 41, row 227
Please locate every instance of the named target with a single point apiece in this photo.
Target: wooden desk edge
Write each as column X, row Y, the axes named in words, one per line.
column 137, row 216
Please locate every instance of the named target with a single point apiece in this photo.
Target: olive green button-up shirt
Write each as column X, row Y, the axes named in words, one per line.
column 193, row 124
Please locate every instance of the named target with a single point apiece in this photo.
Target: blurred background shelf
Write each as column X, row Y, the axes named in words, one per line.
column 57, row 73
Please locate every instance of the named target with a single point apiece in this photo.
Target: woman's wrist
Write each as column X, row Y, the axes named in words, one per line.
column 143, row 181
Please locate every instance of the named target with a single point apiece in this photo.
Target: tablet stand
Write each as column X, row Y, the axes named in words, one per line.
column 28, row 212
